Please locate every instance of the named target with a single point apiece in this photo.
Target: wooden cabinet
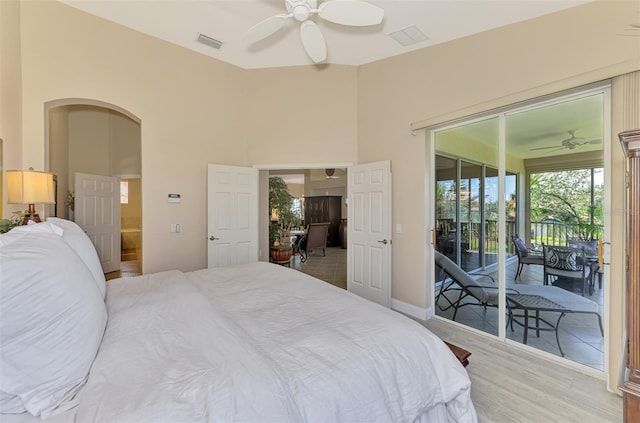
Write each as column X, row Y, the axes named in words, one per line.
column 631, row 383
column 327, row 208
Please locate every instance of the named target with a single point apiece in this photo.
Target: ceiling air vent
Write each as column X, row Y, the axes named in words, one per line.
column 408, row 36
column 211, row 42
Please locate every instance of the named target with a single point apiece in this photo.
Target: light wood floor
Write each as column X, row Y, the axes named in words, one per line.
column 510, row 385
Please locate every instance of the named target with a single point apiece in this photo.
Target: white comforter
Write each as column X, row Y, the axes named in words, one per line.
column 261, row 343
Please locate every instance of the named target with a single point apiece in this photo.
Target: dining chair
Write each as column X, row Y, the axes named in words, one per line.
column 525, row 255
column 566, row 264
column 314, row 239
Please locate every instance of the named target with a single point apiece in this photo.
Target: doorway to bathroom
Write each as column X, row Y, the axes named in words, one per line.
column 89, row 137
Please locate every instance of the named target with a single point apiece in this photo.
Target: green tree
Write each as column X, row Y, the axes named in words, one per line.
column 281, row 203
column 566, row 197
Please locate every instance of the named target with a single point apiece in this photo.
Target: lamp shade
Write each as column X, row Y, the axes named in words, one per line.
column 29, row 187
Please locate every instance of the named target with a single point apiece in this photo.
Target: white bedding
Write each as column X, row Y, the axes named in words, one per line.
column 261, row 343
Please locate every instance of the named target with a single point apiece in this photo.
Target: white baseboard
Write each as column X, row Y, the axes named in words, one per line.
column 411, row 310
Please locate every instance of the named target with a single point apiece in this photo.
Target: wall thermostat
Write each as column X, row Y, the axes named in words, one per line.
column 173, row 198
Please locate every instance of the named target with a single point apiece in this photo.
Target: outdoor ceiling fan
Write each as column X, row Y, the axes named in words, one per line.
column 343, row 12
column 570, row 143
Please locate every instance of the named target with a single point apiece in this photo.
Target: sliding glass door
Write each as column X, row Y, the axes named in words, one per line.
column 501, row 178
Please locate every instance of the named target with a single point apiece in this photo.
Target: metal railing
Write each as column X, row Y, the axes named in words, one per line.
column 557, row 233
column 471, row 235
column 545, row 232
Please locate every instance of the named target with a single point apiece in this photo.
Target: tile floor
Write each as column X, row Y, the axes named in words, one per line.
column 331, row 268
column 579, row 334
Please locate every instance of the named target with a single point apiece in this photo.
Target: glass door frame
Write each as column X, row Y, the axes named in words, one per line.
column 501, row 114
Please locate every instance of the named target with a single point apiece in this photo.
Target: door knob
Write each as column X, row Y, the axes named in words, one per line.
column 384, row 241
column 212, row 238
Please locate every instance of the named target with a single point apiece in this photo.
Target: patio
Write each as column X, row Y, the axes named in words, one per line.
column 579, row 334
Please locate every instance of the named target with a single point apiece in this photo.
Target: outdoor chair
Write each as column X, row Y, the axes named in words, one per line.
column 590, row 246
column 565, row 266
column 466, row 289
column 525, row 255
column 485, row 293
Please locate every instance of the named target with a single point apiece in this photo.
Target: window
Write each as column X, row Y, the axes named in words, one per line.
column 124, row 192
column 296, row 207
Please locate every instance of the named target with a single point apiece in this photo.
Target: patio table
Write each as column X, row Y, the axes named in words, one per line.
column 535, row 303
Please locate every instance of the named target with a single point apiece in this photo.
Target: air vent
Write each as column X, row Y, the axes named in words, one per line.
column 408, row 36
column 211, row 42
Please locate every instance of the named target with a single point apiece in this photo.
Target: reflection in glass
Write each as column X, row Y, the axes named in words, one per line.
column 466, row 216
column 553, row 188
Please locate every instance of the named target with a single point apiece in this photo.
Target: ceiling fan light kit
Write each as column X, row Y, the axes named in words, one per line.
column 342, row 12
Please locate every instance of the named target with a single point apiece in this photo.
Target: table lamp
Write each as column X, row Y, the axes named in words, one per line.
column 30, row 187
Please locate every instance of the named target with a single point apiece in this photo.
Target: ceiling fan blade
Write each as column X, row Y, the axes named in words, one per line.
column 313, row 41
column 351, row 12
column 264, row 28
column 593, row 142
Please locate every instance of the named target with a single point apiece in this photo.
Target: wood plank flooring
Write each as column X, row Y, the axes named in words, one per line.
column 510, row 385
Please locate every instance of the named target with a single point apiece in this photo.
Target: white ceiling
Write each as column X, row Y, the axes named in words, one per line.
column 181, row 21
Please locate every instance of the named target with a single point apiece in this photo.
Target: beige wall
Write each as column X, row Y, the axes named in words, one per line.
column 125, row 155
column 90, row 139
column 11, row 94
column 302, row 115
column 193, row 110
column 59, row 156
column 219, row 113
column 473, row 74
column 296, row 190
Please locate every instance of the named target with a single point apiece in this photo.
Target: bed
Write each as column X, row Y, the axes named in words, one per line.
column 249, row 343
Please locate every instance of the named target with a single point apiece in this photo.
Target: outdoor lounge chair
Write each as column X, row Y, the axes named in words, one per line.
column 485, row 293
column 525, row 255
column 468, row 289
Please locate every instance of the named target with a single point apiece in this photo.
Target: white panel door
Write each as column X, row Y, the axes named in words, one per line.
column 369, row 231
column 97, row 212
column 232, row 215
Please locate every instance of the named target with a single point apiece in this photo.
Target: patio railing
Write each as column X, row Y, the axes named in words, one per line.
column 545, row 232
column 555, row 233
column 471, row 235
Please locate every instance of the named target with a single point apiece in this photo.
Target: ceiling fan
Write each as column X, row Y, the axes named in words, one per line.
column 571, row 143
column 343, row 12
column 330, row 174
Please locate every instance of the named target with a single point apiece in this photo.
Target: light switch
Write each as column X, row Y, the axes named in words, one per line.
column 398, row 228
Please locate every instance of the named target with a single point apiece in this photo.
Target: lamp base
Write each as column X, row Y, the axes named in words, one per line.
column 28, row 217
column 31, row 215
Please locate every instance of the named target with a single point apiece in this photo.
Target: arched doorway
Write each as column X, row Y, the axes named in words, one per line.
column 84, row 136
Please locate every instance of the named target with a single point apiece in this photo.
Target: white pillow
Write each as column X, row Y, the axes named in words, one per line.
column 46, row 227
column 51, row 322
column 76, row 237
